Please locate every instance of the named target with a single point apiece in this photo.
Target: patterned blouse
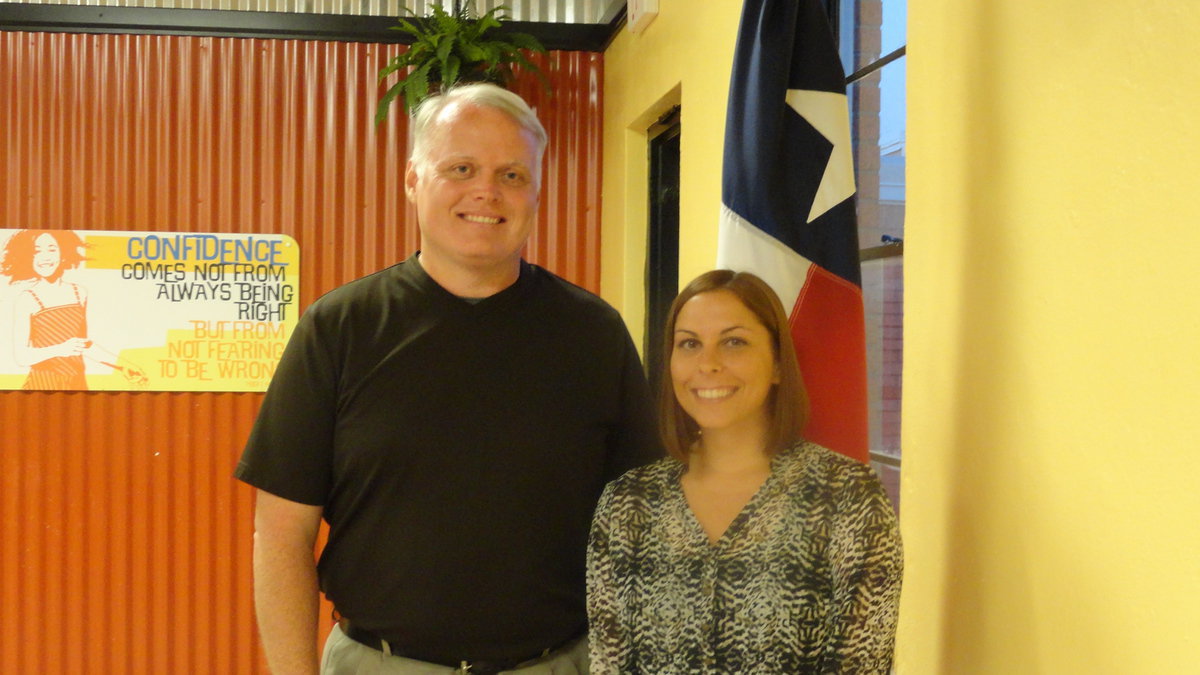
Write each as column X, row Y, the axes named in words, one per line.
column 805, row 580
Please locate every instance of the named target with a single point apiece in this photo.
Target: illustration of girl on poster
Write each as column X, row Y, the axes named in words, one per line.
column 50, row 334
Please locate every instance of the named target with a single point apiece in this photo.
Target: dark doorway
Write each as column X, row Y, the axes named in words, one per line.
column 662, row 247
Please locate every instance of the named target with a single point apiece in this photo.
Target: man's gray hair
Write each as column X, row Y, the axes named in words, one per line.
column 484, row 95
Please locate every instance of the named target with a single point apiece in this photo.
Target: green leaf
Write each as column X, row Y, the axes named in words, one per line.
column 488, row 22
column 471, row 33
column 390, row 68
column 498, row 13
column 450, row 72
column 472, row 52
column 526, row 41
column 390, row 95
column 407, row 27
column 417, row 51
column 444, row 21
column 417, row 87
column 493, row 53
column 443, row 50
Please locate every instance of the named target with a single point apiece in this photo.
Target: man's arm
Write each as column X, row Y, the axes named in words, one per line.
column 635, row 441
column 285, row 583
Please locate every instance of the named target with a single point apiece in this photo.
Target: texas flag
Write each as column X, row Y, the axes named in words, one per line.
column 787, row 210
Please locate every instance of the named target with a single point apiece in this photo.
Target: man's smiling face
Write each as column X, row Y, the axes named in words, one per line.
column 475, row 190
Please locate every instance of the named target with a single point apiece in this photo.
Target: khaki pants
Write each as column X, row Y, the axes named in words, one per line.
column 344, row 656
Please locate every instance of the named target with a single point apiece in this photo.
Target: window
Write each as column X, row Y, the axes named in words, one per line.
column 872, row 41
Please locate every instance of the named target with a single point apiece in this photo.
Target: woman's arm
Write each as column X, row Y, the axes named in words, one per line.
column 608, row 642
column 130, row 370
column 867, row 563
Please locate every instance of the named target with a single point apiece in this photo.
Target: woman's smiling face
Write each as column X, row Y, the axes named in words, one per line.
column 46, row 256
column 723, row 364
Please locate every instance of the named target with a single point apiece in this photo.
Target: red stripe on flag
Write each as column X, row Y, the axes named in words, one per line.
column 827, row 329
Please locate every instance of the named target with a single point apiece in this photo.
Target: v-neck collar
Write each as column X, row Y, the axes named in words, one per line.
column 740, row 522
column 412, row 270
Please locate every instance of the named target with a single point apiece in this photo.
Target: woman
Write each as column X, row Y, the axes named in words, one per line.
column 748, row 550
column 50, row 333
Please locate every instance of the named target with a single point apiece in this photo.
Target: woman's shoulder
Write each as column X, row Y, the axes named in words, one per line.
column 630, row 504
column 808, row 462
column 643, row 477
column 646, row 485
column 26, row 298
column 812, row 455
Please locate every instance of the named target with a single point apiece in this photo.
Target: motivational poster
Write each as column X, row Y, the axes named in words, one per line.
column 152, row 311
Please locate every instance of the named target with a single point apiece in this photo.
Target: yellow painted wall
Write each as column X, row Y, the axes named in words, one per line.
column 684, row 56
column 1051, row 511
column 1051, row 447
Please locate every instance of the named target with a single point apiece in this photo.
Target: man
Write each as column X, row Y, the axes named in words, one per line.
column 454, row 418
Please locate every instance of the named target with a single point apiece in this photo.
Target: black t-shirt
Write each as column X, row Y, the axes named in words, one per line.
column 458, row 450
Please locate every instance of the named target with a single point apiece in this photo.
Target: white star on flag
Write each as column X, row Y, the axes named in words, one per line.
column 828, row 113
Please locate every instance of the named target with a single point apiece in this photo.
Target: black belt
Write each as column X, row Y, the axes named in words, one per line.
column 471, row 667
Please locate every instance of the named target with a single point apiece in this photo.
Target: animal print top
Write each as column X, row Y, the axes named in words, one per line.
column 805, row 580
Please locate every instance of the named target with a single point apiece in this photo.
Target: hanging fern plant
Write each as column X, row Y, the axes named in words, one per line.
column 453, row 47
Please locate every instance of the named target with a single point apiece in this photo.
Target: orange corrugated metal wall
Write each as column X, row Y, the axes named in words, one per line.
column 125, row 545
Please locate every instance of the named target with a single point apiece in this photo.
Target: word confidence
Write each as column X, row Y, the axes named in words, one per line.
column 207, row 247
